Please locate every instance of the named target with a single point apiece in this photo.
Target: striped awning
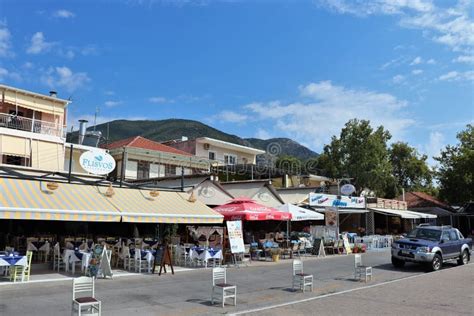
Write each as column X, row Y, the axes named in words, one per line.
column 137, row 206
column 32, row 200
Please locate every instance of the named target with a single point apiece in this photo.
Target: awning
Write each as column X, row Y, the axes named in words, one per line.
column 300, row 214
column 403, row 213
column 137, row 206
column 343, row 210
column 32, row 200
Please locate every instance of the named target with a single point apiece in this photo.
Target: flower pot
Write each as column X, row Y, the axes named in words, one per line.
column 275, row 258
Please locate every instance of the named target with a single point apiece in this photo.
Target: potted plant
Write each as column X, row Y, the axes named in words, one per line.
column 275, row 254
column 355, row 249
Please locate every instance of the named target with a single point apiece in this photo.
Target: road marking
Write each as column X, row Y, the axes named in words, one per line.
column 65, row 278
column 334, row 294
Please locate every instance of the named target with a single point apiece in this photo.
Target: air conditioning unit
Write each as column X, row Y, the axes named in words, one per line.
column 206, row 146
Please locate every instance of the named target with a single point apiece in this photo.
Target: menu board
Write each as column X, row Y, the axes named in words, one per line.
column 236, row 240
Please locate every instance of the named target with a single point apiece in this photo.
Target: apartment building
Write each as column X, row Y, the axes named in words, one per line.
column 142, row 158
column 32, row 129
column 221, row 152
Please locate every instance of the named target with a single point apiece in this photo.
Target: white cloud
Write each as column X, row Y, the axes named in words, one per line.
column 468, row 59
column 5, row 41
column 231, row 117
column 63, row 77
column 418, row 60
column 451, row 26
column 38, row 44
column 331, row 106
column 111, row 104
column 109, row 92
column 65, row 14
column 431, row 61
column 262, row 134
column 434, row 146
column 457, row 76
column 8, row 75
column 160, row 100
column 417, row 71
column 397, row 79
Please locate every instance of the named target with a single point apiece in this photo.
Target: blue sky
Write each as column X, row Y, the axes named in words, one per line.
column 297, row 69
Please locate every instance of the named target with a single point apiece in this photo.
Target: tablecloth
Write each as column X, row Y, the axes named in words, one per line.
column 6, row 261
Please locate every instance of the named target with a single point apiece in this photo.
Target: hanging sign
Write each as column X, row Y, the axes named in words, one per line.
column 330, row 216
column 97, row 162
column 325, row 200
column 236, row 240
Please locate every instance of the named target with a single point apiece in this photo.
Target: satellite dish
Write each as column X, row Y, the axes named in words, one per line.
column 347, row 189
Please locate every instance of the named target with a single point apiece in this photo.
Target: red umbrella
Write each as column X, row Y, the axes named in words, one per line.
column 243, row 208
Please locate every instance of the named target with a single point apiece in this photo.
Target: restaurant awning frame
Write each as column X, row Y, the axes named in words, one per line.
column 403, row 213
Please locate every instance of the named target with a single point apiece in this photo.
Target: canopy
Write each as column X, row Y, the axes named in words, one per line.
column 299, row 213
column 247, row 209
column 342, row 210
column 403, row 213
column 27, row 199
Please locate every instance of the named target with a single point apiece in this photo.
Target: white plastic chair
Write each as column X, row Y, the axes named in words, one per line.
column 301, row 279
column 84, row 303
column 361, row 270
column 221, row 288
column 58, row 261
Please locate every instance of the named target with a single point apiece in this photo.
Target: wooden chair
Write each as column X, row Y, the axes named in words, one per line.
column 221, row 287
column 22, row 273
column 361, row 270
column 301, row 279
column 58, row 261
column 87, row 303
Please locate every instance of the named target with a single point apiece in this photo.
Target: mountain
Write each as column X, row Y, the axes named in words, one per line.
column 282, row 146
column 163, row 130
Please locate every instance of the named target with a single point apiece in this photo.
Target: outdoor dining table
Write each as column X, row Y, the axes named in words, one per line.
column 13, row 260
column 72, row 256
column 148, row 255
column 205, row 254
column 38, row 246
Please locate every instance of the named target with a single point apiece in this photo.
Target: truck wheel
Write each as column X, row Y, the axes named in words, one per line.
column 463, row 258
column 397, row 263
column 436, row 263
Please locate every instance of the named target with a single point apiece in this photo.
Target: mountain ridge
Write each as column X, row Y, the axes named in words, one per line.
column 169, row 129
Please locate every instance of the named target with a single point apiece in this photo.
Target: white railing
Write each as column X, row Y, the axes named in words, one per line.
column 30, row 125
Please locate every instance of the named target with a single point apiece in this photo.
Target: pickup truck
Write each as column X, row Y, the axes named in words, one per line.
column 432, row 246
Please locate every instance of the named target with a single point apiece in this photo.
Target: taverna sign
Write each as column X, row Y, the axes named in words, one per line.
column 97, row 162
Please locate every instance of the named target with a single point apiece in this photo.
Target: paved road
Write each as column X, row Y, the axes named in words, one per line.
column 447, row 292
column 188, row 293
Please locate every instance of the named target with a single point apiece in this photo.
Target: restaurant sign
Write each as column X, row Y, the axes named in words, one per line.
column 97, row 162
column 236, row 239
column 325, row 200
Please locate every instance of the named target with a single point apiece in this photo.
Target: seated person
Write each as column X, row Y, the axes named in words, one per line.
column 279, row 237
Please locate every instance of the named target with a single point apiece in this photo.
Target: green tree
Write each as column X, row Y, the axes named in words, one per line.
column 361, row 153
column 410, row 168
column 289, row 164
column 456, row 169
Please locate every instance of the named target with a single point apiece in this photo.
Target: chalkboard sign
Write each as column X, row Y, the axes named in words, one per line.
column 318, row 247
column 163, row 258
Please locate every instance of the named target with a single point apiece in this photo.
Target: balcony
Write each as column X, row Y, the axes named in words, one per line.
column 31, row 125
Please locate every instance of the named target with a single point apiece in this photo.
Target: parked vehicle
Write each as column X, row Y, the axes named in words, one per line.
column 432, row 246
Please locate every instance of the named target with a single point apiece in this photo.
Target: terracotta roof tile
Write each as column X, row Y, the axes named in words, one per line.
column 421, row 199
column 144, row 143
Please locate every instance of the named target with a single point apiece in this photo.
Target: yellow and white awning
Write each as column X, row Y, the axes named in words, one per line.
column 32, row 200
column 137, row 206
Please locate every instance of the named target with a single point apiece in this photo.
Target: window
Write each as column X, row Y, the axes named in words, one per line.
column 453, row 235
column 445, row 236
column 171, row 170
column 212, row 155
column 230, row 159
column 15, row 160
column 143, row 170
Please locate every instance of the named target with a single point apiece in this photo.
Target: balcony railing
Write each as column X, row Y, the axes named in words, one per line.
column 30, row 125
